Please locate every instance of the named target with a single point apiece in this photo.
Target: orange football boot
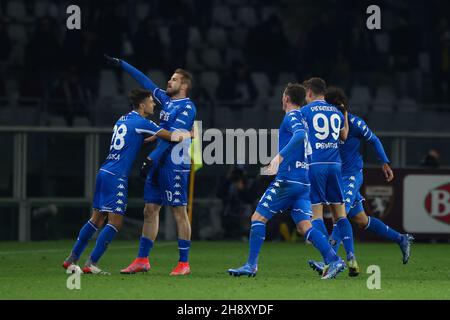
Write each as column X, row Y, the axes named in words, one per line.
column 181, row 269
column 138, row 265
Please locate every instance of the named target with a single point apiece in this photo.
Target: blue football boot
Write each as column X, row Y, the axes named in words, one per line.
column 405, row 246
column 317, row 266
column 246, row 270
column 333, row 269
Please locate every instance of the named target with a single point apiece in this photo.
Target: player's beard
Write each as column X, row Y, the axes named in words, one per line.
column 172, row 92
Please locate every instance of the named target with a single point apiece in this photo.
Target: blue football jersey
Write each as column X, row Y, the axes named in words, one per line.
column 295, row 165
column 352, row 160
column 126, row 142
column 176, row 114
column 325, row 122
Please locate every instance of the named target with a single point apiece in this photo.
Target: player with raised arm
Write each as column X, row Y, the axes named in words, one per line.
column 110, row 197
column 352, row 177
column 289, row 189
column 327, row 125
column 166, row 170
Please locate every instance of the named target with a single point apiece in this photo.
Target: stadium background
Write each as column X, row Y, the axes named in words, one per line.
column 59, row 100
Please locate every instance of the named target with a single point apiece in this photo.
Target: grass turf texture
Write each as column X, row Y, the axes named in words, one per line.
column 33, row 271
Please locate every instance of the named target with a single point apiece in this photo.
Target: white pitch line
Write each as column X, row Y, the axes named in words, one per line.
column 165, row 244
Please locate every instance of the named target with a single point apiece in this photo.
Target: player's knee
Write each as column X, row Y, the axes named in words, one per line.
column 149, row 213
column 180, row 214
column 258, row 217
column 115, row 220
column 98, row 218
column 303, row 227
column 361, row 220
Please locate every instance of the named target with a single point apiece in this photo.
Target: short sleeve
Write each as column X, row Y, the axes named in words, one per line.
column 361, row 128
column 293, row 122
column 147, row 127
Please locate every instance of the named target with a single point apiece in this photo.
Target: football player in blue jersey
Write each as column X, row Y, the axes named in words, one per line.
column 166, row 168
column 110, row 197
column 290, row 189
column 352, row 179
column 327, row 125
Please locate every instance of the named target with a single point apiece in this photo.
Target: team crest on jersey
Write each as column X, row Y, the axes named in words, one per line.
column 380, row 200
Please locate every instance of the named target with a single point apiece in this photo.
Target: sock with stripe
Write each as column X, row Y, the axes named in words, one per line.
column 377, row 226
column 320, row 242
column 183, row 248
column 257, row 236
column 335, row 239
column 145, row 245
column 344, row 228
column 86, row 233
column 319, row 225
column 105, row 237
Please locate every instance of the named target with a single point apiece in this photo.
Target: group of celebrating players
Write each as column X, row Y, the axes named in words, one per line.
column 318, row 164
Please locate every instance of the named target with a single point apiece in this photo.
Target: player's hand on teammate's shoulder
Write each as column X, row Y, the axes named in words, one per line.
column 111, row 60
column 388, row 173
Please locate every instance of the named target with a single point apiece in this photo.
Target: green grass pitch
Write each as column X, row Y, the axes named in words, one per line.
column 33, row 271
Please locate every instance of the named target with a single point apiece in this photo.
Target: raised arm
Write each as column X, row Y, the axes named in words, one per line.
column 343, row 133
column 132, row 71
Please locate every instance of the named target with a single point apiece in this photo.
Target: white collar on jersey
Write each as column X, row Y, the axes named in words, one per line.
column 179, row 99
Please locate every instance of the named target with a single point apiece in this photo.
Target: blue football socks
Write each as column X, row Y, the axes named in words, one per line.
column 257, row 236
column 145, row 245
column 320, row 242
column 86, row 233
column 318, row 224
column 335, row 239
column 377, row 226
column 183, row 248
column 105, row 237
column 345, row 230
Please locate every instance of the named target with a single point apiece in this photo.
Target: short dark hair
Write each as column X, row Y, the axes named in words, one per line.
column 187, row 78
column 318, row 86
column 296, row 93
column 337, row 97
column 136, row 96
